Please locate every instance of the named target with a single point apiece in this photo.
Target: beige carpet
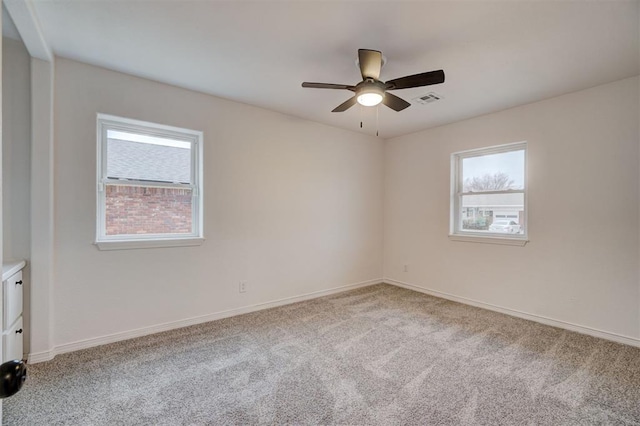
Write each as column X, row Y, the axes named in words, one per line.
column 376, row 356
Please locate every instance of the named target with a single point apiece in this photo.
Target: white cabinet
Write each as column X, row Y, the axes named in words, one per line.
column 12, row 341
column 12, row 330
column 12, row 294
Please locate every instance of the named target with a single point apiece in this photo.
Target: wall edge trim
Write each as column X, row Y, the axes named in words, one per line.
column 43, row 356
column 36, row 357
column 614, row 337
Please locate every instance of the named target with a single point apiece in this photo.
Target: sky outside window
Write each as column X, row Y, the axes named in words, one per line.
column 510, row 163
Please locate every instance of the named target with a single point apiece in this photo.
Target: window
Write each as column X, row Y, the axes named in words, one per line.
column 149, row 185
column 488, row 195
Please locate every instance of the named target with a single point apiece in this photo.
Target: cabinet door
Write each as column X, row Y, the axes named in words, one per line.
column 12, row 342
column 12, row 299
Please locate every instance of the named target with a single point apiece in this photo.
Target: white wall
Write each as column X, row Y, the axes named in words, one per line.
column 42, row 230
column 581, row 264
column 291, row 206
column 1, row 136
column 16, row 149
column 16, row 162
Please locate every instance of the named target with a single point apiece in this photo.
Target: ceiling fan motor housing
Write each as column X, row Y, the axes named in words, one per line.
column 370, row 92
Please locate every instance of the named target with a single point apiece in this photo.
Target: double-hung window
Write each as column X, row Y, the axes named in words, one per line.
column 149, row 184
column 489, row 195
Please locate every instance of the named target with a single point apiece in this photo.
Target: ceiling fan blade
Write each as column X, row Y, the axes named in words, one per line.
column 394, row 102
column 327, row 86
column 417, row 80
column 370, row 63
column 345, row 105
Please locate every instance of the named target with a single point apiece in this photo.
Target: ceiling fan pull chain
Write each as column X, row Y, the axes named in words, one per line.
column 361, row 111
column 377, row 119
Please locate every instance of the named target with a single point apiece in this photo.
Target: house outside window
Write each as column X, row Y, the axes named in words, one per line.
column 488, row 195
column 149, row 185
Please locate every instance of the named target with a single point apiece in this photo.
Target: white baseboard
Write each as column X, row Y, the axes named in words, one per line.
column 139, row 332
column 43, row 356
column 618, row 338
column 36, row 357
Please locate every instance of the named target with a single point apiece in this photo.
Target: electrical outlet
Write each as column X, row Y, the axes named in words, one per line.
column 406, row 267
column 242, row 287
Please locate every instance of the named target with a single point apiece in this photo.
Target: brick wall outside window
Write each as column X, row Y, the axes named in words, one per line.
column 147, row 210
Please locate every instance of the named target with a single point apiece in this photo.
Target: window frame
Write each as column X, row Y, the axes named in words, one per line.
column 457, row 181
column 106, row 122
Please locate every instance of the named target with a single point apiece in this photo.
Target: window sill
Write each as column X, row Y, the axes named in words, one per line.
column 145, row 244
column 489, row 240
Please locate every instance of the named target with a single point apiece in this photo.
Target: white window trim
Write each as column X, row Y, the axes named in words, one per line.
column 455, row 234
column 118, row 242
column 147, row 244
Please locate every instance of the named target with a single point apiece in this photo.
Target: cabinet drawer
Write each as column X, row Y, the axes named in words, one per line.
column 12, row 342
column 12, row 292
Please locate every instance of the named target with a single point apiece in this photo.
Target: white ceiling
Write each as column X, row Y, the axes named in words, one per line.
column 9, row 29
column 495, row 55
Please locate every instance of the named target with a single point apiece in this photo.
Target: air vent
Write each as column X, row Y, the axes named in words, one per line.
column 428, row 98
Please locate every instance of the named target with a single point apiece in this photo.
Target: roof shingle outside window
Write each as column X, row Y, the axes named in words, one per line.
column 148, row 162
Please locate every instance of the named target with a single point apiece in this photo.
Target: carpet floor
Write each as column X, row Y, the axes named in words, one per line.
column 379, row 355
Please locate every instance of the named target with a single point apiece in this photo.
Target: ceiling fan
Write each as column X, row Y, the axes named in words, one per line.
column 371, row 91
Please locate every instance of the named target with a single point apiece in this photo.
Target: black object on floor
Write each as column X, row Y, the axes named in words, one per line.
column 12, row 376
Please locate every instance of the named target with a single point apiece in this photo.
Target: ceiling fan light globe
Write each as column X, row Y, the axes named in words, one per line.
column 369, row 98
